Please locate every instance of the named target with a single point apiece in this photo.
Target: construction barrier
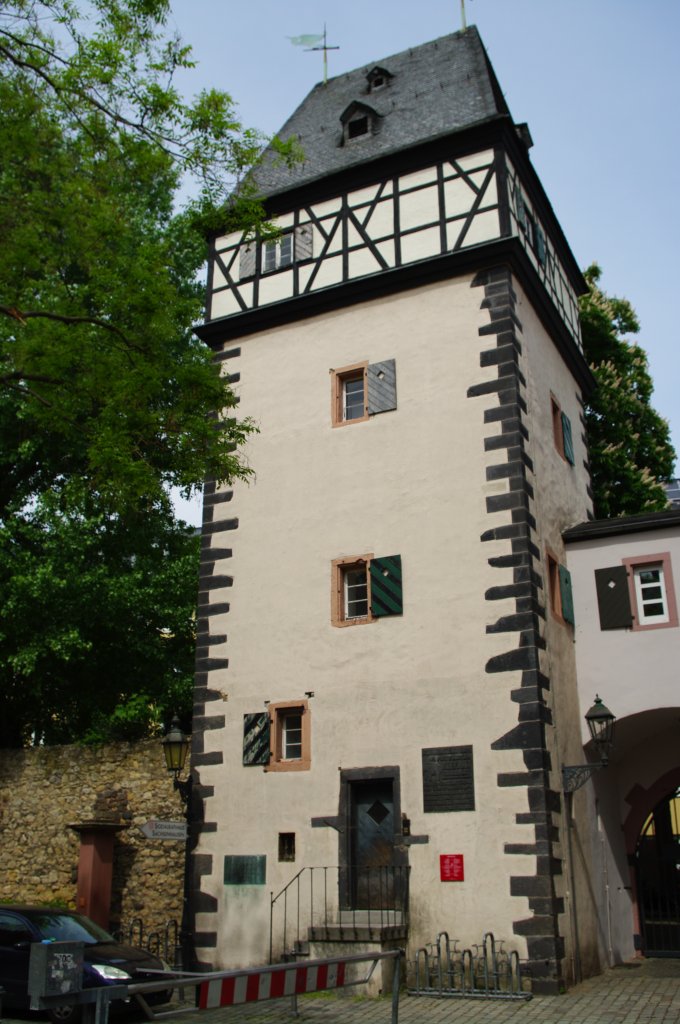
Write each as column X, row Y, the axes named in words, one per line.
column 270, row 983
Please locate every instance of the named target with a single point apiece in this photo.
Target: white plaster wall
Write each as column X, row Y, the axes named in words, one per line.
column 632, row 670
column 409, row 482
column 560, row 501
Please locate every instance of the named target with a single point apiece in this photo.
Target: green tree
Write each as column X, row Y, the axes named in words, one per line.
column 107, row 399
column 631, row 454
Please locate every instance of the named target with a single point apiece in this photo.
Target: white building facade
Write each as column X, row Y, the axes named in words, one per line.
column 625, row 575
column 386, row 686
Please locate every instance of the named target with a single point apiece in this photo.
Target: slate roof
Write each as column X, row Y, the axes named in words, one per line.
column 437, row 88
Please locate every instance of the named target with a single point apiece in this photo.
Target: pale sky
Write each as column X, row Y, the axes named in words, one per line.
column 596, row 80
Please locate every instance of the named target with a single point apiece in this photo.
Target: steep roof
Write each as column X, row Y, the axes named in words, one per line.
column 431, row 90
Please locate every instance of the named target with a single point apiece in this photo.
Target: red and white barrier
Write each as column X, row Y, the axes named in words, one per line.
column 270, row 983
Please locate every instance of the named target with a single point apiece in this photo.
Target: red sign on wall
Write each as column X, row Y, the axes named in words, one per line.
column 451, row 867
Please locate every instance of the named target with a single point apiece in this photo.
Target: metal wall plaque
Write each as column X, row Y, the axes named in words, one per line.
column 448, row 779
column 243, row 870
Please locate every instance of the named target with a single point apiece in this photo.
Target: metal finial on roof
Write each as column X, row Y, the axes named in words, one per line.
column 325, row 47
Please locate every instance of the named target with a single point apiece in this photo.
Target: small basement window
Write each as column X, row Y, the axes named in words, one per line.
column 286, row 846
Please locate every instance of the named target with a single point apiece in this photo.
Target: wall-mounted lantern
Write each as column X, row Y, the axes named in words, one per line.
column 175, row 750
column 601, row 727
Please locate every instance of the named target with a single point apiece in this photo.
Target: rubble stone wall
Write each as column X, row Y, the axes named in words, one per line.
column 44, row 790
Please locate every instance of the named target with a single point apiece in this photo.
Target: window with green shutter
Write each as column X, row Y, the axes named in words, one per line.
column 566, row 598
column 365, row 588
column 567, row 441
column 256, row 749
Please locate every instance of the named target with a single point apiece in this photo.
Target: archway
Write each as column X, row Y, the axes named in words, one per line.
column 657, row 870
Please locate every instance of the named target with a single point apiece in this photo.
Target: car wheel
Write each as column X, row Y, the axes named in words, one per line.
column 66, row 1014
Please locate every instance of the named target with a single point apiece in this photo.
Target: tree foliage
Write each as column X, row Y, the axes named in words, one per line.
column 107, row 399
column 631, row 454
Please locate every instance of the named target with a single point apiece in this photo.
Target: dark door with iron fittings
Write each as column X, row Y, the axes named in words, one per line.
column 658, row 879
column 374, row 862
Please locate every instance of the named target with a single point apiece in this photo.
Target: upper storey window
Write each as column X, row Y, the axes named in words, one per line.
column 358, row 121
column 276, row 253
column 378, row 78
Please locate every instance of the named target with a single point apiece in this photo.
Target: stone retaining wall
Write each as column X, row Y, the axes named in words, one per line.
column 44, row 790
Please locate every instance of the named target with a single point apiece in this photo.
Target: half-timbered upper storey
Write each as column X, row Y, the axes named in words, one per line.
column 413, row 168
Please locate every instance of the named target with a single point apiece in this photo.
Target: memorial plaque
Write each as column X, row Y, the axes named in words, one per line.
column 451, row 867
column 448, row 779
column 244, row 870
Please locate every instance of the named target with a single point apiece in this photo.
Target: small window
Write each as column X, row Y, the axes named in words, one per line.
column 277, row 254
column 349, row 394
column 559, row 590
column 289, row 723
column 562, row 433
column 287, row 846
column 362, row 390
column 365, row 588
column 357, row 127
column 652, row 592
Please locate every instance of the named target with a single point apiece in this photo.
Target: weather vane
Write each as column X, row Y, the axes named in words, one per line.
column 315, row 43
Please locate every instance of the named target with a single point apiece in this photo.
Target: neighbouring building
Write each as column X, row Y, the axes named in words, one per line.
column 625, row 573
column 386, row 678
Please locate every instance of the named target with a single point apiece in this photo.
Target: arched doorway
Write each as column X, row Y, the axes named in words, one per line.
column 657, row 868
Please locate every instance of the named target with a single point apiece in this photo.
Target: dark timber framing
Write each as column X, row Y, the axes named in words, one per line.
column 507, row 406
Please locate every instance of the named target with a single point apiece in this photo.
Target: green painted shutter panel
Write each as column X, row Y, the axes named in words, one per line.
column 566, row 597
column 386, row 589
column 382, row 387
column 247, row 260
column 304, row 239
column 613, row 598
column 567, row 439
column 256, row 738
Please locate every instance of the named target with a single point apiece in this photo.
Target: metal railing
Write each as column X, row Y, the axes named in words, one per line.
column 163, row 943
column 324, row 903
column 483, row 971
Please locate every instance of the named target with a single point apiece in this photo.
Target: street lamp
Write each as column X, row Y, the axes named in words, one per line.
column 601, row 727
column 175, row 750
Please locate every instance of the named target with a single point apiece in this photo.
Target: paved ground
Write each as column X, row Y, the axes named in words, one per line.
column 647, row 992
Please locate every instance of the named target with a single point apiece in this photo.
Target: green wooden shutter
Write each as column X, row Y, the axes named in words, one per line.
column 386, row 589
column 382, row 387
column 256, row 738
column 566, row 597
column 567, row 439
column 613, row 598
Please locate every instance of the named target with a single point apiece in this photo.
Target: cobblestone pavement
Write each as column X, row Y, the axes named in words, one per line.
column 646, row 991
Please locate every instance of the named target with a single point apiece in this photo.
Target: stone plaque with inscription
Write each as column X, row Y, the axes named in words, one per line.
column 448, row 779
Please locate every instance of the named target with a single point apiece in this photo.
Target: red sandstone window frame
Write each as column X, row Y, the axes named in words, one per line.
column 277, row 717
column 339, row 569
column 339, row 379
column 653, row 561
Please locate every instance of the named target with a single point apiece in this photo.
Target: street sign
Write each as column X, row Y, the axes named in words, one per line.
column 164, row 829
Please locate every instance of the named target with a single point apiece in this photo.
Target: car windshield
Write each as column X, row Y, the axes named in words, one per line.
column 69, row 928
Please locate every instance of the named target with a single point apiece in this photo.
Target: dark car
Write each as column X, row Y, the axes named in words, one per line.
column 107, row 962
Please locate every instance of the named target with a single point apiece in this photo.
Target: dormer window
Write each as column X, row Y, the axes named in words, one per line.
column 358, row 122
column 356, row 127
column 377, row 78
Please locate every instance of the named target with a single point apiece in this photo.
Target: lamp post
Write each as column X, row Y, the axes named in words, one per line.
column 601, row 727
column 175, row 749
